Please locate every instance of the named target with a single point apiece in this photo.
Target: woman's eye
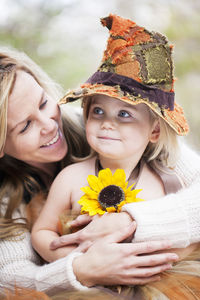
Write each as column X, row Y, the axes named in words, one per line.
column 98, row 111
column 25, row 127
column 43, row 104
column 124, row 114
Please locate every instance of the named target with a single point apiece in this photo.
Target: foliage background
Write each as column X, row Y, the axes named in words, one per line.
column 66, row 39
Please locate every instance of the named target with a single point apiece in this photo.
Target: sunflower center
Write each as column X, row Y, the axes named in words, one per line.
column 110, row 196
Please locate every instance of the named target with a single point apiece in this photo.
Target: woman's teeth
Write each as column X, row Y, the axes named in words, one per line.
column 53, row 141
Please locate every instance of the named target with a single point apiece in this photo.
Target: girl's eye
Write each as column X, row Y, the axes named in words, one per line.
column 25, row 127
column 124, row 114
column 43, row 104
column 98, row 111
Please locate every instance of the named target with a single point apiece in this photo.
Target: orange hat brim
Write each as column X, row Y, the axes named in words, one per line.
column 174, row 118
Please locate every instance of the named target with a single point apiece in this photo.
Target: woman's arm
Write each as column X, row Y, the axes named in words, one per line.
column 174, row 217
column 21, row 266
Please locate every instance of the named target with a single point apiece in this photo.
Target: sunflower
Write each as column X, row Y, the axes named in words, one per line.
column 107, row 193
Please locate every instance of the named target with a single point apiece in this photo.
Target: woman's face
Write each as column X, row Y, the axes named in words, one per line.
column 35, row 133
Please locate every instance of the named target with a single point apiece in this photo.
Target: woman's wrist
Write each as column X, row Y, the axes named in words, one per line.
column 82, row 273
column 73, row 266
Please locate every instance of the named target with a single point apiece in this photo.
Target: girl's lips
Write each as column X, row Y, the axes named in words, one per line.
column 107, row 138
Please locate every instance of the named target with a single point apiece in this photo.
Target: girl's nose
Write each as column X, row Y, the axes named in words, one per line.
column 108, row 124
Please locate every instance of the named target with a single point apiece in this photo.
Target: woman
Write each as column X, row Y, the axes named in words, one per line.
column 34, row 145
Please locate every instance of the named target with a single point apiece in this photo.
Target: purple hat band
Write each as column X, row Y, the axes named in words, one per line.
column 131, row 86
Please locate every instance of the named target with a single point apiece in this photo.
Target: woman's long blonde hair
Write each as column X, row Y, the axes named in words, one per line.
column 17, row 177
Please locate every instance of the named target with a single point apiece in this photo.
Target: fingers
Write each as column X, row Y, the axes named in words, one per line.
column 144, row 275
column 64, row 240
column 121, row 235
column 141, row 281
column 84, row 246
column 151, row 271
column 155, row 259
column 81, row 220
column 149, row 247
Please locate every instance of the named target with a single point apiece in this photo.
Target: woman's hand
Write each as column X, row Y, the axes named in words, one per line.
column 108, row 262
column 99, row 227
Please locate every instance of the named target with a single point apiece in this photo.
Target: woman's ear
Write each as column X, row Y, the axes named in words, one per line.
column 155, row 133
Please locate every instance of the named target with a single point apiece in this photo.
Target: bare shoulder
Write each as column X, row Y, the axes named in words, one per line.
column 78, row 171
column 151, row 184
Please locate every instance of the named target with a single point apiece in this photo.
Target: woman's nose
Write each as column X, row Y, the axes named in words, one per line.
column 47, row 125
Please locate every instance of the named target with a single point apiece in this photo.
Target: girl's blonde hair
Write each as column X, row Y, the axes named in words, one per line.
column 161, row 154
column 17, row 177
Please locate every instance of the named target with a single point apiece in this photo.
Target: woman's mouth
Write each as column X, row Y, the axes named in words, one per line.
column 53, row 141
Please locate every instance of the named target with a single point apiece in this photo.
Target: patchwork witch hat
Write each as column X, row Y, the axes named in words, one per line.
column 136, row 68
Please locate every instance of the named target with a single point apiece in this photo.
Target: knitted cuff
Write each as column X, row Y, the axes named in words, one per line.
column 58, row 275
column 70, row 273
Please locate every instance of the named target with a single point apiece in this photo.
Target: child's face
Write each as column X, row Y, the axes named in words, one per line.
column 119, row 130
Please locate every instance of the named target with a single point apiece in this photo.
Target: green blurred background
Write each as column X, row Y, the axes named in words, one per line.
column 66, row 39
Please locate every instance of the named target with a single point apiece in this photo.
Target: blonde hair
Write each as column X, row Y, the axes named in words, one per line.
column 161, row 154
column 14, row 183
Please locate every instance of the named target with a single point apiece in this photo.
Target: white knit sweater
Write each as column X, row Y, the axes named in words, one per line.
column 175, row 217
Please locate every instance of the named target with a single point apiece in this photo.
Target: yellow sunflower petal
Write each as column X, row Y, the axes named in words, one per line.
column 129, row 200
column 132, row 194
column 119, row 206
column 119, row 178
column 105, row 176
column 111, row 209
column 89, row 206
column 95, row 183
column 89, row 192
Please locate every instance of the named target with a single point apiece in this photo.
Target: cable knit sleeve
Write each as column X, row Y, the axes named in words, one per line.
column 20, row 265
column 175, row 217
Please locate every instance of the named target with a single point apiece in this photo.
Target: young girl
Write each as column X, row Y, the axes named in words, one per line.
column 131, row 123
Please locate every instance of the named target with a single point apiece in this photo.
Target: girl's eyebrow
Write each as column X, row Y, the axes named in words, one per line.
column 95, row 101
column 130, row 106
column 24, row 120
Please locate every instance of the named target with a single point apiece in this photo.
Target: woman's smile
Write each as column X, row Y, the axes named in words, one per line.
column 53, row 141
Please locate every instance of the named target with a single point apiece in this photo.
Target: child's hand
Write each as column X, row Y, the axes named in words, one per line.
column 81, row 220
column 99, row 227
column 70, row 222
